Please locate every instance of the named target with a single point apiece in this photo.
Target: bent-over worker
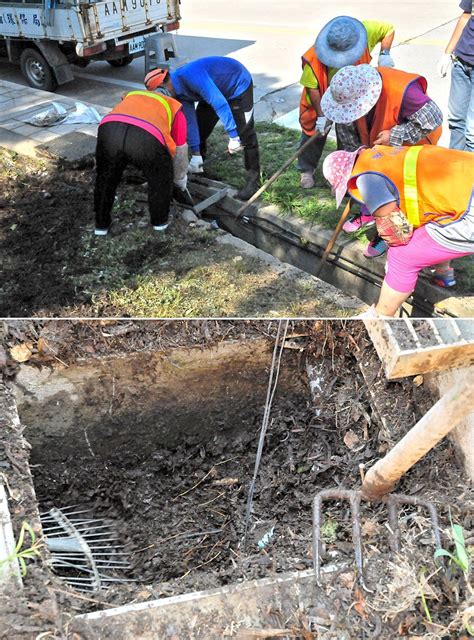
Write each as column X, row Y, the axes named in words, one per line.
column 223, row 89
column 422, row 198
column 146, row 129
column 380, row 106
column 342, row 41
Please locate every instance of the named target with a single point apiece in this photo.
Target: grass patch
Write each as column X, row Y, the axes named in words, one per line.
column 277, row 144
column 54, row 265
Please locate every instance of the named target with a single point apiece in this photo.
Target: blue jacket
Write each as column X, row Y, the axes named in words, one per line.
column 215, row 80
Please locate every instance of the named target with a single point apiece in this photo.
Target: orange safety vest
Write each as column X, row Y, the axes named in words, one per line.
column 395, row 83
column 434, row 184
column 308, row 113
column 155, row 109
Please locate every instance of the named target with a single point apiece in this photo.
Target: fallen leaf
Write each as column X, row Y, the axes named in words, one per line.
column 47, row 348
column 359, row 604
column 369, row 528
column 351, row 439
column 22, row 352
column 347, row 579
column 418, row 381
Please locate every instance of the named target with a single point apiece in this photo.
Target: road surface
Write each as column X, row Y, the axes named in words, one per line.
column 269, row 38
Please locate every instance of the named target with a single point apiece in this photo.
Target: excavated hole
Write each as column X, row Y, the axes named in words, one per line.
column 164, row 446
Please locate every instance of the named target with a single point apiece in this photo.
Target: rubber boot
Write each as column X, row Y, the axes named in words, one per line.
column 250, row 187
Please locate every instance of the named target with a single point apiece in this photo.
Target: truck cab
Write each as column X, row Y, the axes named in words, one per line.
column 47, row 37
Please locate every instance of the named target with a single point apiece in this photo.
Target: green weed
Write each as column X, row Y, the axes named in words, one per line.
column 21, row 554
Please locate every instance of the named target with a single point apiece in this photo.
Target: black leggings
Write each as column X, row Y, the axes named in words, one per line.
column 207, row 119
column 120, row 144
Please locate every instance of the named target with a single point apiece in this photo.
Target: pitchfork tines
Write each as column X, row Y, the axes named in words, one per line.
column 392, row 500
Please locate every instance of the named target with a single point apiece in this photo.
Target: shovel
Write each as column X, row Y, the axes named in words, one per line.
column 442, row 418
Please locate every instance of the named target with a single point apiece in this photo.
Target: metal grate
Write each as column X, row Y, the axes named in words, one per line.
column 407, row 347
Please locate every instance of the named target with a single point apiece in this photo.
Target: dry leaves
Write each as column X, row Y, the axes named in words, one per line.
column 22, row 352
column 351, row 439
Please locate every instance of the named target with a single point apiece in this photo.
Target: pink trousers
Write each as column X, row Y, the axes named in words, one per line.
column 404, row 263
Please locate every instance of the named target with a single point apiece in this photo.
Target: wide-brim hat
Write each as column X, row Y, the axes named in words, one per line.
column 352, row 93
column 341, row 41
column 155, row 78
column 337, row 169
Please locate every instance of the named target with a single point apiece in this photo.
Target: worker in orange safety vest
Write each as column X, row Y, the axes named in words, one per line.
column 342, row 41
column 147, row 129
column 380, row 106
column 422, row 198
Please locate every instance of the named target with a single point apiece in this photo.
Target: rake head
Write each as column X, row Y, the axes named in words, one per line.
column 83, row 550
column 392, row 500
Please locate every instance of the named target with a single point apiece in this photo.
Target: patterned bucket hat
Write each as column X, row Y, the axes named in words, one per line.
column 341, row 41
column 352, row 93
column 337, row 169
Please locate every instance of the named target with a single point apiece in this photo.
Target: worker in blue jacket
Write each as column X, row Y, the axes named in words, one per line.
column 223, row 89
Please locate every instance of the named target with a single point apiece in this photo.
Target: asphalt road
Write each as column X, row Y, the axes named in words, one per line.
column 269, row 38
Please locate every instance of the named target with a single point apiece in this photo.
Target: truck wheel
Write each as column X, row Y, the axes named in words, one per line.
column 121, row 62
column 37, row 71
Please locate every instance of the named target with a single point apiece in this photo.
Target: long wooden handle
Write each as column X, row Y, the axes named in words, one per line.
column 276, row 175
column 333, row 238
column 443, row 416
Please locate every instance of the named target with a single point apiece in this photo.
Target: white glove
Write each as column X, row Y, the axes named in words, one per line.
column 181, row 183
column 385, row 59
column 195, row 165
column 323, row 124
column 234, row 145
column 444, row 64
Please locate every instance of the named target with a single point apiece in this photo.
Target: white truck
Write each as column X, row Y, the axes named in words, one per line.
column 46, row 37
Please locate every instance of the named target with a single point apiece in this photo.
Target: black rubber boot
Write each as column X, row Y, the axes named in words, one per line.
column 250, row 187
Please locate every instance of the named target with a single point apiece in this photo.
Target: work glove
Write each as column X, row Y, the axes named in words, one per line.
column 323, row 125
column 196, row 165
column 394, row 228
column 181, row 183
column 444, row 64
column 234, row 145
column 385, row 59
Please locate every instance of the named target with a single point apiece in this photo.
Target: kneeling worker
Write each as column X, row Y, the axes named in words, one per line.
column 146, row 129
column 223, row 89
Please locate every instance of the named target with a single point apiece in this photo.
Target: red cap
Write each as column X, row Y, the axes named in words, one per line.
column 155, row 78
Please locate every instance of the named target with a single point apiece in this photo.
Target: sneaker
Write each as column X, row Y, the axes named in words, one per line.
column 101, row 232
column 375, row 248
column 160, row 227
column 356, row 221
column 307, row 180
column 444, row 278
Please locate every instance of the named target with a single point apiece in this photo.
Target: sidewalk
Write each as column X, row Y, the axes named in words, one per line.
column 19, row 104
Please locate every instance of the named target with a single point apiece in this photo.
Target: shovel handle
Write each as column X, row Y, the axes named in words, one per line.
column 443, row 416
column 276, row 175
column 333, row 238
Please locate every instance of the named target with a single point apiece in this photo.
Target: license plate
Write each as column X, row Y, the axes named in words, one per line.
column 136, row 45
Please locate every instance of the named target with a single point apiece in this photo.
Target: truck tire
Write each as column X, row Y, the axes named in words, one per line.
column 37, row 71
column 121, row 62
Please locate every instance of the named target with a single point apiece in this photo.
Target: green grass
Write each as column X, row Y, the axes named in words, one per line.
column 277, row 144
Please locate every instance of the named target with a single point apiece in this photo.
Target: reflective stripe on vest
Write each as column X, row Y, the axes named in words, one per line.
column 410, row 189
column 155, row 96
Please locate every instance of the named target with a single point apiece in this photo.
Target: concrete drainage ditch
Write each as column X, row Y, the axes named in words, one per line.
column 300, row 243
column 162, row 445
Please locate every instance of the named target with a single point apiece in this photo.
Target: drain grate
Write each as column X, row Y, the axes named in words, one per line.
column 408, row 347
column 84, row 550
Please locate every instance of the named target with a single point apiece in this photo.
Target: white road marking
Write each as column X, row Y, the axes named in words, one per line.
column 118, row 82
